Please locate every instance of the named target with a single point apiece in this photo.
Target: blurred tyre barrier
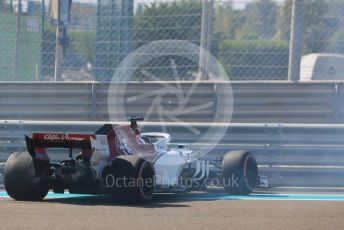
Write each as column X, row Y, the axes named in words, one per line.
column 289, row 154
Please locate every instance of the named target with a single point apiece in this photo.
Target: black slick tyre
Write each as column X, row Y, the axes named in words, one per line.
column 240, row 172
column 22, row 180
column 131, row 179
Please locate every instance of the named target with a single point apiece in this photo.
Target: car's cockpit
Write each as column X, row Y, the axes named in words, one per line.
column 159, row 140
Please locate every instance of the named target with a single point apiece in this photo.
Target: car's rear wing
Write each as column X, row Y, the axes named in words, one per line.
column 40, row 141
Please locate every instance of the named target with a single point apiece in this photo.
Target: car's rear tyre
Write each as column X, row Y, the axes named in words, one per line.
column 240, row 172
column 19, row 178
column 131, row 179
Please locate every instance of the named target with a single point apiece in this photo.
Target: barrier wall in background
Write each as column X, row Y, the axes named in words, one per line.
column 255, row 102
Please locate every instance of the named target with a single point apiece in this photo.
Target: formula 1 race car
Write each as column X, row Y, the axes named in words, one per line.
column 121, row 161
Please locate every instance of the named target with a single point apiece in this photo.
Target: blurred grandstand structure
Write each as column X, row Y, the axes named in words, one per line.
column 251, row 38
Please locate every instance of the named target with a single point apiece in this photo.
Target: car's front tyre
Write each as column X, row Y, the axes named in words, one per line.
column 240, row 172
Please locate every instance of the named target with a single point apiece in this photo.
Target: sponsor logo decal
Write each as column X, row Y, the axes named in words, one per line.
column 62, row 137
column 123, row 143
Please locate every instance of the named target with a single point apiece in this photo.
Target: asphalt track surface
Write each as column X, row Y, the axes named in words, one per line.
column 197, row 210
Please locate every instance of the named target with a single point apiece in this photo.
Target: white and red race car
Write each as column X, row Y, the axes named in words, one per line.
column 121, row 161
